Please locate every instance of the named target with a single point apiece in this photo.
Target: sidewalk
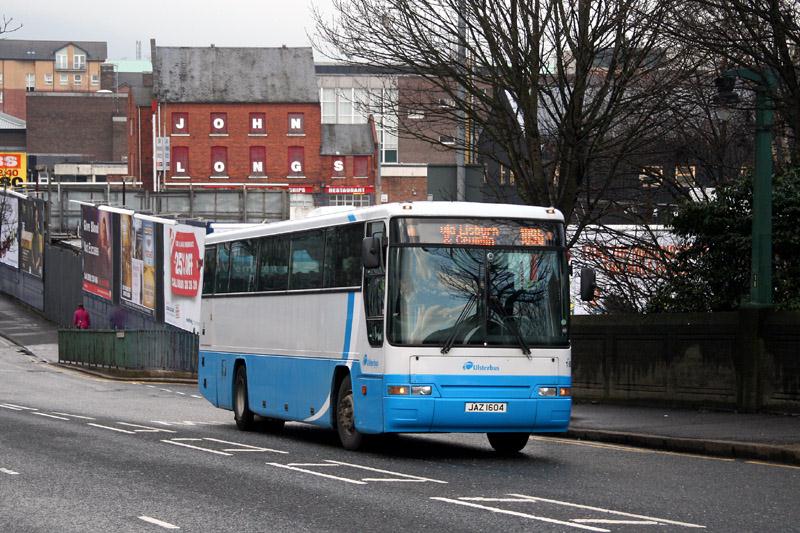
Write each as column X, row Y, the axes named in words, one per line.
column 757, row 436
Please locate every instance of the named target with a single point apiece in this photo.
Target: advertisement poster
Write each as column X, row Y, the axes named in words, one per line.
column 31, row 236
column 9, row 219
column 97, row 251
column 13, row 168
column 138, row 262
column 184, row 247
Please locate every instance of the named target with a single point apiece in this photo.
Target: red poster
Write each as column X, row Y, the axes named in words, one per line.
column 185, row 265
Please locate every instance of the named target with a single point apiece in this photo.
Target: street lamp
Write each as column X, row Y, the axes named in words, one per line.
column 761, row 251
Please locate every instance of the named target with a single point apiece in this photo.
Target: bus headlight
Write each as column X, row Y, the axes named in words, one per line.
column 421, row 390
column 396, row 390
column 547, row 391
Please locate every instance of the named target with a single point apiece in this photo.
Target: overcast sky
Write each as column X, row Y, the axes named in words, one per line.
column 170, row 22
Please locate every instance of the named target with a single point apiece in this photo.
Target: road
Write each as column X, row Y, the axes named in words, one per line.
column 78, row 453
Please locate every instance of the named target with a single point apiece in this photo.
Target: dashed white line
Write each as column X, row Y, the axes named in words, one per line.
column 165, row 390
column 112, row 429
column 145, row 429
column 74, row 416
column 176, row 443
column 157, row 522
column 196, row 396
column 407, row 476
column 20, row 406
column 320, row 474
column 9, row 407
column 243, row 447
column 50, row 416
column 608, row 511
column 616, row 522
column 520, row 515
column 9, row 472
column 181, row 393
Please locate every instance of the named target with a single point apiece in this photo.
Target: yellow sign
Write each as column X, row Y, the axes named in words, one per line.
column 13, row 169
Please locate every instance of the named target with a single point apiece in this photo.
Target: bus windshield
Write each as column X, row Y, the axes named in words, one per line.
column 477, row 295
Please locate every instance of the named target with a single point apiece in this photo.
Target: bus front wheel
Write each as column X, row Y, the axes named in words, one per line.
column 241, row 411
column 349, row 436
column 508, row 443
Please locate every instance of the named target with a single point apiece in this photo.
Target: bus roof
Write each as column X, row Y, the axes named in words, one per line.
column 322, row 218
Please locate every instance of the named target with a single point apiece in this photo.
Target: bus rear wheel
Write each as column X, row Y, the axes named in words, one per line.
column 241, row 410
column 349, row 436
column 508, row 443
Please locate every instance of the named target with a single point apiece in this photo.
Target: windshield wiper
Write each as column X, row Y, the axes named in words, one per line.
column 512, row 325
column 451, row 339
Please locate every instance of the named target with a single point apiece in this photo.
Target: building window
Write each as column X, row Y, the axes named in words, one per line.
column 258, row 123
column 48, row 79
column 180, row 123
column 337, row 168
column 258, row 161
column 79, row 61
column 651, row 177
column 63, row 79
column 685, row 176
column 356, row 200
column 360, row 166
column 1, row 77
column 219, row 123
column 30, row 82
column 296, row 161
column 95, row 79
column 1, row 96
column 78, row 78
column 447, row 139
column 61, row 60
column 328, row 103
column 219, row 162
column 296, row 124
column 180, row 160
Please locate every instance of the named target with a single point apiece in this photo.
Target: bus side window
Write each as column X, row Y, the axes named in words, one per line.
column 243, row 265
column 307, row 256
column 209, row 269
column 223, row 268
column 343, row 256
column 374, row 290
column 273, row 274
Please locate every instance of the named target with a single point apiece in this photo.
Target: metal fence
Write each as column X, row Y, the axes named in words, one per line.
column 138, row 350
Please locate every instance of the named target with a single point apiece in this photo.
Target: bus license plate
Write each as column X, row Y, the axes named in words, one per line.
column 485, row 407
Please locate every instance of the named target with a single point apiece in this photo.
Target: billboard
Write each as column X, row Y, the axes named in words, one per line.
column 31, row 236
column 97, row 247
column 184, row 247
column 137, row 262
column 13, row 168
column 9, row 236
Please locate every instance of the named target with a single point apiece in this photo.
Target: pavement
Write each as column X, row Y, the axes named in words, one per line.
column 765, row 437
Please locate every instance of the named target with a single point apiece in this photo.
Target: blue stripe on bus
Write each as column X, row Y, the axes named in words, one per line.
column 351, row 217
column 348, row 328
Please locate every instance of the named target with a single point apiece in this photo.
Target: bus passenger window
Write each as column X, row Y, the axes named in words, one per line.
column 223, row 268
column 273, row 274
column 343, row 256
column 209, row 269
column 307, row 256
column 243, row 265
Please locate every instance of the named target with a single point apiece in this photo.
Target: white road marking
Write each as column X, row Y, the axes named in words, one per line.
column 406, row 476
column 51, row 416
column 196, row 396
column 112, row 429
column 4, row 406
column 320, row 474
column 21, row 406
column 620, row 522
column 74, row 416
column 394, row 480
column 765, row 463
column 187, row 423
column 145, row 429
column 607, row 511
column 312, row 464
column 165, row 390
column 151, row 386
column 521, row 515
column 494, row 500
column 181, row 393
column 165, row 525
column 9, row 472
column 629, row 448
column 176, row 443
column 243, row 447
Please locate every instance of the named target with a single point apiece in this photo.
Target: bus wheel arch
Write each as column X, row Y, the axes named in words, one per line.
column 344, row 416
column 241, row 408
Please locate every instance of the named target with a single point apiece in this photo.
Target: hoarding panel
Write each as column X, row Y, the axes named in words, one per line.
column 97, row 251
column 184, row 247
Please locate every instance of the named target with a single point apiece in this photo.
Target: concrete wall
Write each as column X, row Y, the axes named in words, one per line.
column 748, row 360
column 24, row 287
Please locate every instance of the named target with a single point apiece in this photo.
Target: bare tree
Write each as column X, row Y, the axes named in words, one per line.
column 566, row 92
column 8, row 25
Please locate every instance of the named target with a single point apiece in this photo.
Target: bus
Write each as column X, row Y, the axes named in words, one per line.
column 397, row 318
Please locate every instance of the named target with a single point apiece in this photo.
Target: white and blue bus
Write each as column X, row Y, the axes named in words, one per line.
column 397, row 318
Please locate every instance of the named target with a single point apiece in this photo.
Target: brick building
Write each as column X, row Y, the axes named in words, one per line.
column 47, row 66
column 243, row 117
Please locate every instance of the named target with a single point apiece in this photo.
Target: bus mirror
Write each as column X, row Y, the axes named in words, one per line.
column 588, row 284
column 371, row 252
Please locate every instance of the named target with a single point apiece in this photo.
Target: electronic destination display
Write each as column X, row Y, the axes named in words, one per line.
column 476, row 232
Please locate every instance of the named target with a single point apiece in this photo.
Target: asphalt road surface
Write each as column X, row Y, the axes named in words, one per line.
column 82, row 454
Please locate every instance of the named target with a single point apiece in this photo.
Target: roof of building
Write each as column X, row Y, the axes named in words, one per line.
column 235, row 75
column 9, row 122
column 131, row 65
column 347, row 139
column 27, row 50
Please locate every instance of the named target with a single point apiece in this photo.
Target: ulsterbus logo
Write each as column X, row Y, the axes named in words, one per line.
column 469, row 365
column 369, row 362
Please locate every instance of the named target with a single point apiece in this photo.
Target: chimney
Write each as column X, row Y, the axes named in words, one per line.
column 108, row 79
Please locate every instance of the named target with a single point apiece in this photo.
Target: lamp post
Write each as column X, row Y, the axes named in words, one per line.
column 761, row 250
